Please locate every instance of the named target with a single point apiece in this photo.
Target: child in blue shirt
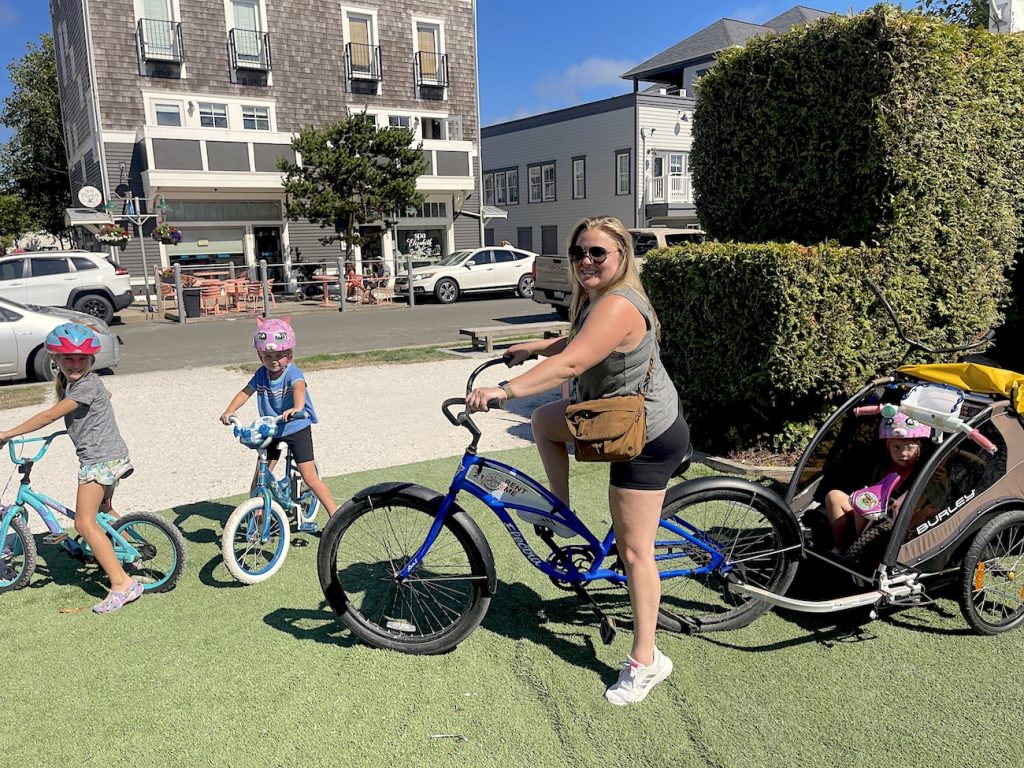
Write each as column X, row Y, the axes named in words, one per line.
column 280, row 390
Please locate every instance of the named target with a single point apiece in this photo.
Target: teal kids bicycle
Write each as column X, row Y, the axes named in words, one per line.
column 256, row 534
column 151, row 549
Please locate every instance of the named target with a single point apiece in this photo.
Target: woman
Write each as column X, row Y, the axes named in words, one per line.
column 612, row 346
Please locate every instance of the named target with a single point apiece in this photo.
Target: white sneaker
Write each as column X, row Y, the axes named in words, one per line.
column 533, row 518
column 635, row 680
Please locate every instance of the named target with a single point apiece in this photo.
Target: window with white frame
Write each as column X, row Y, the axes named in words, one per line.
column 360, row 31
column 499, row 188
column 512, row 182
column 488, row 189
column 428, row 47
column 579, row 178
column 622, row 173
column 399, row 121
column 549, row 182
column 213, row 115
column 533, row 173
column 255, row 118
column 167, row 113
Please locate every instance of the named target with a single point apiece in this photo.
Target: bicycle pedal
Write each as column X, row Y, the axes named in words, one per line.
column 608, row 630
column 309, row 528
column 55, row 538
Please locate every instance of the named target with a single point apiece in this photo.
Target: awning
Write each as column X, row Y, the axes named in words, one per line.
column 487, row 212
column 90, row 218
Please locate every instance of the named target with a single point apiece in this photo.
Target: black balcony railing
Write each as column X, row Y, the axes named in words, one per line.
column 160, row 40
column 431, row 69
column 362, row 62
column 250, row 49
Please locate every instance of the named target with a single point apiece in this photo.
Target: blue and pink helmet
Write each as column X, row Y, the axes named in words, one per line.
column 273, row 335
column 902, row 427
column 72, row 339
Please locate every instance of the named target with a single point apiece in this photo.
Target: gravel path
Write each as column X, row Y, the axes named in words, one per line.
column 372, row 417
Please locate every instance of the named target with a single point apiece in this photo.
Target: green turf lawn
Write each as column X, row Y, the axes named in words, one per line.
column 218, row 674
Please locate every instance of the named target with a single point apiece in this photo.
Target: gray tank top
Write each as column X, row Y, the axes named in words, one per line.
column 623, row 373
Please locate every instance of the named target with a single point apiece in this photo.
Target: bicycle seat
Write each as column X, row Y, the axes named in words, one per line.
column 685, row 463
column 125, row 470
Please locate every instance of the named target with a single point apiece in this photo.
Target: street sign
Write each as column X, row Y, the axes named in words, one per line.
column 90, row 197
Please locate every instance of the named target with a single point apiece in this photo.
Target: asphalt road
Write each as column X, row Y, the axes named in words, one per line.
column 163, row 345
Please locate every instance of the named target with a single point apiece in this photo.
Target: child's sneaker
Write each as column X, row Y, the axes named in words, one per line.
column 546, row 522
column 635, row 680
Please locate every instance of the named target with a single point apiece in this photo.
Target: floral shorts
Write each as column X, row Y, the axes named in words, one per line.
column 102, row 472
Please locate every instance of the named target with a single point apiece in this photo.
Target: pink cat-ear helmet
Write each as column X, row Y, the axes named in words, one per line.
column 273, row 336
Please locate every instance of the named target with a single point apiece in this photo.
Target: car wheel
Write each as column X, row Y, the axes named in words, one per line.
column 43, row 367
column 96, row 305
column 525, row 287
column 446, row 291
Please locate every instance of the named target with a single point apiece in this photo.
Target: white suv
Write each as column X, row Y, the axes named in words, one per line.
column 80, row 280
column 482, row 269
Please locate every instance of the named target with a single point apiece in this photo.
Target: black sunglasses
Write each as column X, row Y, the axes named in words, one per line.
column 596, row 253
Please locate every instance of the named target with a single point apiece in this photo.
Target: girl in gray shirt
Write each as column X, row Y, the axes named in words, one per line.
column 84, row 404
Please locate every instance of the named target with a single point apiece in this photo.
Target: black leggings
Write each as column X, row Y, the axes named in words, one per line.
column 651, row 470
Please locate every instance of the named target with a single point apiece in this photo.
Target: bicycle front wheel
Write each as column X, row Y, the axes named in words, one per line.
column 444, row 598
column 251, row 556
column 160, row 547
column 17, row 557
column 758, row 546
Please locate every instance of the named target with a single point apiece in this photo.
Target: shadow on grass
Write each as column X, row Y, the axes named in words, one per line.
column 208, row 576
column 197, row 530
column 320, row 625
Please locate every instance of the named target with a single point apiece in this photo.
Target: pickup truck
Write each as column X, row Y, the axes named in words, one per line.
column 551, row 273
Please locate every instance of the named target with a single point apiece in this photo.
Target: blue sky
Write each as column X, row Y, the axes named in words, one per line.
column 573, row 54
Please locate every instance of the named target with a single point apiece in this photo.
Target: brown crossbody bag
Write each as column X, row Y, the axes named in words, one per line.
column 610, row 428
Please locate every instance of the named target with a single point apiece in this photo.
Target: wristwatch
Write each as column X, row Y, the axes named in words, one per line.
column 507, row 390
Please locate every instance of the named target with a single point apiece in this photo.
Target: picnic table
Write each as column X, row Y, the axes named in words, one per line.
column 485, row 336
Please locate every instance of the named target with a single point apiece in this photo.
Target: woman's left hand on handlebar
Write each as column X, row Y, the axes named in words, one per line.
column 478, row 399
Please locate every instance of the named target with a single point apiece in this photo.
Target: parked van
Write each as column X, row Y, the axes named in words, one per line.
column 551, row 283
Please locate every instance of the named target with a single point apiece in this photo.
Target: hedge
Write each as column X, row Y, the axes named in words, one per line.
column 888, row 128
column 756, row 336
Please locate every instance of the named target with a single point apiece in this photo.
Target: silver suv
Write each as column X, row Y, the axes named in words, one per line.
column 81, row 280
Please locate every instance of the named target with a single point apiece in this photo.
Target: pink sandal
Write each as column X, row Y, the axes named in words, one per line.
column 117, row 600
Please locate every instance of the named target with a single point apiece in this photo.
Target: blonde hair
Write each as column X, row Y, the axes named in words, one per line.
column 626, row 276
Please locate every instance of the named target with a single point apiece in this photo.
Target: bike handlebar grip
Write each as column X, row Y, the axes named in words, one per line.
column 867, row 410
column 496, row 403
column 983, row 441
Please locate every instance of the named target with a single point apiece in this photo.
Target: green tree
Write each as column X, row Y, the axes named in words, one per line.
column 34, row 162
column 966, row 13
column 14, row 220
column 351, row 174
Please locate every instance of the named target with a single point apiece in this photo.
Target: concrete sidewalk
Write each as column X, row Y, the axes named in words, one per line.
column 370, row 417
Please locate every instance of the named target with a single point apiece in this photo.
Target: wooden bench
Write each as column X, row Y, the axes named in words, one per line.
column 484, row 337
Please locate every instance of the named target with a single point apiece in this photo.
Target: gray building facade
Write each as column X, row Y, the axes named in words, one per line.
column 189, row 104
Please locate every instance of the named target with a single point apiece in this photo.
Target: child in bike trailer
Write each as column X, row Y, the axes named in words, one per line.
column 84, row 403
column 904, row 441
column 281, row 390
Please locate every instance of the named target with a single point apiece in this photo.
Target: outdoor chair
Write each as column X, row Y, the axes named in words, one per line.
column 210, row 298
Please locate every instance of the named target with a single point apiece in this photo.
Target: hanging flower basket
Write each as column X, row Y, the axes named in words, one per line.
column 113, row 234
column 166, row 234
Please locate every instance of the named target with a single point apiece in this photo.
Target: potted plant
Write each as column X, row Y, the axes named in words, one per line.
column 166, row 234
column 113, row 234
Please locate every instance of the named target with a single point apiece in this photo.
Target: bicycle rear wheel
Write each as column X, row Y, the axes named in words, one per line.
column 17, row 557
column 250, row 557
column 161, row 550
column 760, row 548
column 991, row 583
column 444, row 598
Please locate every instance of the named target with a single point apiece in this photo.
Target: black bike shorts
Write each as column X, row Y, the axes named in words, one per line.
column 651, row 470
column 300, row 445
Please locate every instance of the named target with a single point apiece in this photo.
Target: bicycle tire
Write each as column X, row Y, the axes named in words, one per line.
column 249, row 559
column 991, row 587
column 163, row 550
column 17, row 557
column 869, row 547
column 762, row 549
column 369, row 540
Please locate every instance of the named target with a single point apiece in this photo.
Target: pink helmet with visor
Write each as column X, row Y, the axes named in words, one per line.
column 273, row 335
column 903, row 427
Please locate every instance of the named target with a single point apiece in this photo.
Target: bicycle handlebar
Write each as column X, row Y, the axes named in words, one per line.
column 464, row 419
column 943, row 423
column 16, row 441
column 260, row 427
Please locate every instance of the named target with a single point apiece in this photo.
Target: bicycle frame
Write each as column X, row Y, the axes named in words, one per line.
column 491, row 482
column 44, row 506
column 272, row 489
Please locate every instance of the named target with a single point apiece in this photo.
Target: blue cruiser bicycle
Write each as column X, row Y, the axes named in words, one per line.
column 256, row 535
column 150, row 548
column 407, row 568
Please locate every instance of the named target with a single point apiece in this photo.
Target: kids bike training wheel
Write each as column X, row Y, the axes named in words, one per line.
column 992, row 576
column 759, row 546
column 161, row 550
column 251, row 556
column 444, row 598
column 17, row 557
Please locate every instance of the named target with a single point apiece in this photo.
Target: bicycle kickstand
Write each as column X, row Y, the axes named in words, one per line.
column 607, row 623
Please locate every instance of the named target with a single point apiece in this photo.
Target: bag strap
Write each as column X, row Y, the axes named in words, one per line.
column 650, row 370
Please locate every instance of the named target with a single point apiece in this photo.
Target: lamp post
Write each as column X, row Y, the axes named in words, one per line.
column 132, row 211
